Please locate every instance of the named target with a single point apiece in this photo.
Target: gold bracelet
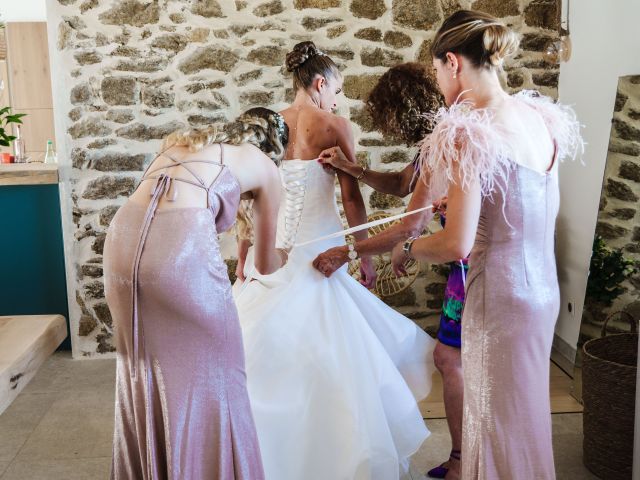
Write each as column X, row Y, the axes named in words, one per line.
column 364, row 170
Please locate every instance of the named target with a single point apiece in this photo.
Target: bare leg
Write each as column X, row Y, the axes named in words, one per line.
column 449, row 362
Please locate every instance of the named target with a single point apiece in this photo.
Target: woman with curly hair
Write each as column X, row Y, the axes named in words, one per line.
column 399, row 105
column 182, row 409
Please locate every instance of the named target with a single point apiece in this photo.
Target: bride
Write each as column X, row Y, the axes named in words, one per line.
column 333, row 373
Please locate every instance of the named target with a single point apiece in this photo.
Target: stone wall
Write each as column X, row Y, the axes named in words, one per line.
column 127, row 72
column 619, row 219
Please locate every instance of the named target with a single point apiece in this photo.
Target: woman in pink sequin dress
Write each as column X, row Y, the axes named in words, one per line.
column 496, row 156
column 182, row 409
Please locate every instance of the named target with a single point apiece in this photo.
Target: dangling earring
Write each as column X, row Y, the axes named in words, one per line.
column 455, row 75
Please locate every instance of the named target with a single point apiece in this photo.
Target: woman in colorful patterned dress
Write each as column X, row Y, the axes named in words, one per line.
column 398, row 104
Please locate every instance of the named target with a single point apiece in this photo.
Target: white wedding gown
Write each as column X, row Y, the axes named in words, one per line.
column 333, row 373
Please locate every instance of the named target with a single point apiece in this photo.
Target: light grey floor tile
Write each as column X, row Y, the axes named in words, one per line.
column 566, row 423
column 568, row 457
column 435, row 449
column 61, row 426
column 71, row 469
column 19, row 420
column 60, row 373
column 78, row 425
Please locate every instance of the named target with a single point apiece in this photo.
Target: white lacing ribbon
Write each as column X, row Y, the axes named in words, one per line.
column 253, row 272
column 364, row 226
column 295, row 184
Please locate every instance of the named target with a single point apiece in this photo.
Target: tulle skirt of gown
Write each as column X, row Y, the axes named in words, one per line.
column 333, row 374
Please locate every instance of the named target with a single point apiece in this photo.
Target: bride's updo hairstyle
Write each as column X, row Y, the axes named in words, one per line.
column 306, row 61
column 478, row 36
column 258, row 126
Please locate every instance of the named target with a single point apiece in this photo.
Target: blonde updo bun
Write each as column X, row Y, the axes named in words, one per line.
column 499, row 42
column 478, row 36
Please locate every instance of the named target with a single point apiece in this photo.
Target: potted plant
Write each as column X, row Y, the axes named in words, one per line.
column 607, row 270
column 6, row 117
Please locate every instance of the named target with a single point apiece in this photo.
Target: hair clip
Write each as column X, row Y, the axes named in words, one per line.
column 280, row 125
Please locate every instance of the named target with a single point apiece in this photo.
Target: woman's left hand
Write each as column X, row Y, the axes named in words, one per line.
column 398, row 259
column 331, row 260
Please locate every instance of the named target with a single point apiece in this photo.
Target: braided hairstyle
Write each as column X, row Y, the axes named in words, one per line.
column 261, row 127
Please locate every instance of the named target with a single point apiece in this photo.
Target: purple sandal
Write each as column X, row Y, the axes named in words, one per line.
column 441, row 471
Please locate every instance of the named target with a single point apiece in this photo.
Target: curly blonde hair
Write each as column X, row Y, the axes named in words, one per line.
column 259, row 126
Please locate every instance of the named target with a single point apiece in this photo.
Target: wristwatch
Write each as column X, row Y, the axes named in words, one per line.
column 406, row 247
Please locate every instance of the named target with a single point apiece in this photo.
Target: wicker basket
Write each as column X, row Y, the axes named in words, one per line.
column 609, row 391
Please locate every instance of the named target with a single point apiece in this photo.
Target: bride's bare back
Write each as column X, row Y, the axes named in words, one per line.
column 312, row 130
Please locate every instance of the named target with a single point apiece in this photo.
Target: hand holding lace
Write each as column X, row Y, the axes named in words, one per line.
column 334, row 158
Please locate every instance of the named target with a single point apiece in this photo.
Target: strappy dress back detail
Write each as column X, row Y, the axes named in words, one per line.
column 223, row 204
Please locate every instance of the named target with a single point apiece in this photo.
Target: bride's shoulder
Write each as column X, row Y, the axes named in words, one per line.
column 321, row 119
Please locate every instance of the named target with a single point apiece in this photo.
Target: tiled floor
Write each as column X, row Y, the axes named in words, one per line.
column 60, row 427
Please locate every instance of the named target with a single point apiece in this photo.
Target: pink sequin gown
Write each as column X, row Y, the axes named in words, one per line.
column 512, row 302
column 182, row 410
column 512, row 293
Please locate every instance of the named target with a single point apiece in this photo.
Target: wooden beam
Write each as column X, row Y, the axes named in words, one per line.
column 26, row 341
column 28, row 174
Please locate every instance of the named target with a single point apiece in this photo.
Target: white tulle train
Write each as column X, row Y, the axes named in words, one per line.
column 333, row 373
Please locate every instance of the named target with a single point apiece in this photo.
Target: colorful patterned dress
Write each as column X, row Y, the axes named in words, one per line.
column 450, row 320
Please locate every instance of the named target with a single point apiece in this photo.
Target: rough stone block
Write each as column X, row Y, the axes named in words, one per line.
column 371, row 9
column 418, row 14
column 397, row 39
column 109, row 187
column 131, row 12
column 119, row 90
column 210, row 57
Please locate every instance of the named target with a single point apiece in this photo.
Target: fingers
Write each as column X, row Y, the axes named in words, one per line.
column 399, row 270
column 322, row 266
column 328, row 153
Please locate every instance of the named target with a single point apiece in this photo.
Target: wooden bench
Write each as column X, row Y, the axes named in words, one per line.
column 25, row 343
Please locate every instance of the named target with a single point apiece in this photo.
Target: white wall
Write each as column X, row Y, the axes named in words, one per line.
column 606, row 45
column 23, row 11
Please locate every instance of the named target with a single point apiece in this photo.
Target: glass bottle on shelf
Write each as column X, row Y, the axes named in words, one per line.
column 50, row 156
column 18, row 147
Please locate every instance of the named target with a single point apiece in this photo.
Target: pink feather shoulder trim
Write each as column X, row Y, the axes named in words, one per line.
column 466, row 145
column 561, row 121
